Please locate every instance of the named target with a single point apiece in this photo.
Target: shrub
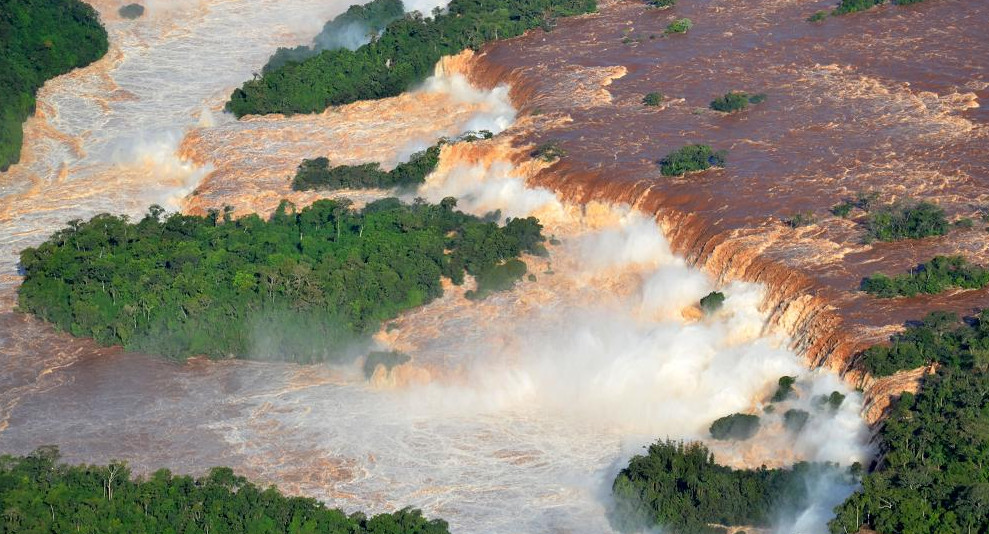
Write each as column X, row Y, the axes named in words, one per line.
column 738, row 427
column 851, row 6
column 735, row 101
column 804, row 218
column 712, row 302
column 935, row 276
column 653, row 99
column 843, row 210
column 131, row 11
column 906, row 221
column 679, row 26
column 549, row 151
column 388, row 359
column 964, row 222
column 818, row 16
column 795, row 420
column 784, row 388
column 832, row 401
column 661, row 4
column 691, row 158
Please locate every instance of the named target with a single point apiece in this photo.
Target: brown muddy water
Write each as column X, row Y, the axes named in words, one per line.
column 515, row 412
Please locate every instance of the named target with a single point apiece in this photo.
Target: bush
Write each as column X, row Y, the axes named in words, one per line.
column 939, row 274
column 843, row 210
column 818, row 16
column 548, row 151
column 795, row 420
column 784, row 388
column 712, row 302
column 735, row 101
column 851, row 6
column 832, row 401
column 805, row 218
column 691, row 158
column 131, row 11
column 907, row 221
column 738, row 427
column 653, row 99
column 387, row 359
column 661, row 4
column 679, row 26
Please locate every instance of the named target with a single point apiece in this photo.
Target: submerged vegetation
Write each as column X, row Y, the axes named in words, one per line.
column 735, row 101
column 401, row 57
column 39, row 494
column 932, row 474
column 549, row 151
column 679, row 488
column 40, row 39
column 131, row 11
column 387, row 359
column 691, row 158
column 939, row 274
column 308, row 283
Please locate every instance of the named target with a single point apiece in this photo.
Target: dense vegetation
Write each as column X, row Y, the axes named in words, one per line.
column 906, row 221
column 939, row 274
column 401, row 57
column 932, row 474
column 40, row 39
column 795, row 420
column 653, row 99
column 38, row 494
column 661, row 4
column 738, row 426
column 317, row 173
column 735, row 101
column 691, row 158
column 679, row 488
column 305, row 283
column 712, row 302
column 351, row 29
column 933, row 340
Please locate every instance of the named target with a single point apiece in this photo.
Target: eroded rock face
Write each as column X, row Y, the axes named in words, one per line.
column 885, row 101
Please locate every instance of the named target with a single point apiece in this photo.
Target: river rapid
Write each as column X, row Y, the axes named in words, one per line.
column 515, row 413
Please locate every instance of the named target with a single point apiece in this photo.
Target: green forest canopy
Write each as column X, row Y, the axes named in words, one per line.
column 681, row 489
column 933, row 470
column 401, row 57
column 40, row 39
column 39, row 494
column 939, row 274
column 312, row 281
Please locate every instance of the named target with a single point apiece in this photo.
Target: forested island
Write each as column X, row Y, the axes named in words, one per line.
column 40, row 39
column 40, row 494
column 402, row 56
column 679, row 487
column 310, row 282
